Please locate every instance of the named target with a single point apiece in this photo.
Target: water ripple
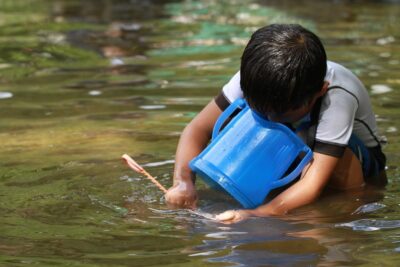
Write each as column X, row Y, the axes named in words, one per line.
column 370, row 207
column 224, row 235
column 159, row 163
column 150, row 107
column 368, row 225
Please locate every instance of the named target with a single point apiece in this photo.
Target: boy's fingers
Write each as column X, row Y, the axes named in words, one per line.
column 232, row 216
column 175, row 202
column 188, row 204
column 181, row 203
column 226, row 216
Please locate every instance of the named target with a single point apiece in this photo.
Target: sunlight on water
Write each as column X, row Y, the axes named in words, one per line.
column 83, row 82
column 371, row 225
column 370, row 207
column 4, row 95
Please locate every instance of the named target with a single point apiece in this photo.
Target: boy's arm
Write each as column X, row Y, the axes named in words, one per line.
column 305, row 191
column 193, row 140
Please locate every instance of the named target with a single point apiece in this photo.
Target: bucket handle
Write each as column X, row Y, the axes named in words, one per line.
column 288, row 178
column 239, row 103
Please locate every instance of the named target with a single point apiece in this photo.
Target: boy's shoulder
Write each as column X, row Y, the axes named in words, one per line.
column 339, row 76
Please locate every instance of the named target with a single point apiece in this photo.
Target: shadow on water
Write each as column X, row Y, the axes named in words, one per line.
column 307, row 237
column 82, row 82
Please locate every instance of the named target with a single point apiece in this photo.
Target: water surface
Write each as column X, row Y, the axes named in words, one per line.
column 82, row 82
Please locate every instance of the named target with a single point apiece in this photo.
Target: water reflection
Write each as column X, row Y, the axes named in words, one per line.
column 82, row 82
column 307, row 237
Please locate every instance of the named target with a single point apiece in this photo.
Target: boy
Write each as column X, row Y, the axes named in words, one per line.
column 285, row 76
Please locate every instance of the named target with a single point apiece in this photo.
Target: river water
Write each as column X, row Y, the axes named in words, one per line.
column 82, row 82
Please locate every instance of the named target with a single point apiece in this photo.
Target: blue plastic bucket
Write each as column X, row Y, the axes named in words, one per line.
column 250, row 156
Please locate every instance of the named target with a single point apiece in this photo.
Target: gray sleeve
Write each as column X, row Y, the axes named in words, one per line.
column 337, row 115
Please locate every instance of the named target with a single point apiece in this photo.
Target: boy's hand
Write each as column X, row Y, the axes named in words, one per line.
column 233, row 216
column 182, row 195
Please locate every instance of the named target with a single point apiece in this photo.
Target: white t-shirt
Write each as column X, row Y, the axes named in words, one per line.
column 345, row 109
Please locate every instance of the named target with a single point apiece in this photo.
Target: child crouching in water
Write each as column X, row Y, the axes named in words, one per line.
column 285, row 76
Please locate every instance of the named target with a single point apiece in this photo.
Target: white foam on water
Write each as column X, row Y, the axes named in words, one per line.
column 5, row 95
column 380, row 89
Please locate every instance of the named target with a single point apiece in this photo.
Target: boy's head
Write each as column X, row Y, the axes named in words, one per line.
column 283, row 68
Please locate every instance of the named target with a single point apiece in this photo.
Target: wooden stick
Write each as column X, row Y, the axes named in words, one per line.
column 139, row 169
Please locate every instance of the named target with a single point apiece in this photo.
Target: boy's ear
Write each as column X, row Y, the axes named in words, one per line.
column 324, row 89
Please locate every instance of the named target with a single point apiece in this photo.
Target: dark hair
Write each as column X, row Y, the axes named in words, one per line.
column 283, row 66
